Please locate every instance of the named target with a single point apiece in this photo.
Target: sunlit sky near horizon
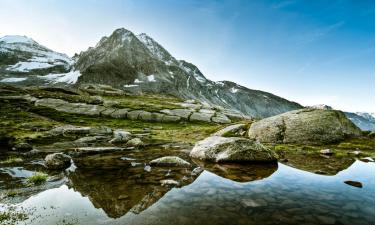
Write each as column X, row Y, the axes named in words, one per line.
column 311, row 52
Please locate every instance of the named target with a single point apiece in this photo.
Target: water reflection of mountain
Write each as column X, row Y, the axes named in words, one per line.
column 132, row 189
column 240, row 172
column 319, row 164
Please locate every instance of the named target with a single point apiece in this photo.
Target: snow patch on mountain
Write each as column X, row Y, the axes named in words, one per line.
column 151, row 78
column 11, row 39
column 234, row 90
column 13, row 79
column 70, row 77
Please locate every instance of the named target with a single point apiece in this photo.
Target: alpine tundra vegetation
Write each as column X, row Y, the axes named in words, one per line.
column 125, row 133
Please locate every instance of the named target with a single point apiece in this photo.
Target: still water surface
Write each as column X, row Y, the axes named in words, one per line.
column 231, row 194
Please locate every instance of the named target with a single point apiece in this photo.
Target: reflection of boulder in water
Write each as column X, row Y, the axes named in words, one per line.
column 128, row 189
column 316, row 163
column 240, row 172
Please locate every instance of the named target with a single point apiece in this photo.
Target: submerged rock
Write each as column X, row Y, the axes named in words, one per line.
column 305, row 126
column 57, row 161
column 121, row 136
column 170, row 161
column 354, row 183
column 222, row 149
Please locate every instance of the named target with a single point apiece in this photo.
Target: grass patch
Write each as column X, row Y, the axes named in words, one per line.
column 11, row 160
column 151, row 103
column 37, row 178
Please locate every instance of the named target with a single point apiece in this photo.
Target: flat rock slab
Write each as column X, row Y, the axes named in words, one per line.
column 204, row 117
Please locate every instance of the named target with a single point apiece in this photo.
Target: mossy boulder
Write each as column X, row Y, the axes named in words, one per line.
column 232, row 149
column 305, row 126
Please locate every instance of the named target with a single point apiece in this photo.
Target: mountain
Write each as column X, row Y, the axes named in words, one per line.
column 22, row 55
column 365, row 121
column 137, row 63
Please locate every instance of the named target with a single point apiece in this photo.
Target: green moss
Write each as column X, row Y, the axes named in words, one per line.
column 11, row 160
column 151, row 103
column 37, row 178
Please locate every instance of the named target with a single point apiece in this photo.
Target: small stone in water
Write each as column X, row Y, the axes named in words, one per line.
column 354, row 183
column 169, row 183
column 147, row 168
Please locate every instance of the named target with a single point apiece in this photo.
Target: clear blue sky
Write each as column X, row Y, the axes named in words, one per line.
column 308, row 51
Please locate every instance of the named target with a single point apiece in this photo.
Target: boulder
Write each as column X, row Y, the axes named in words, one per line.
column 221, row 118
column 108, row 103
column 326, row 152
column 69, row 129
column 57, row 161
column 233, row 149
column 109, row 112
column 121, row 136
column 168, row 119
column 120, row 113
column 232, row 130
column 50, row 102
column 101, row 130
column 134, row 115
column 169, row 161
column 145, row 116
column 183, row 113
column 304, row 126
column 371, row 134
column 204, row 117
column 135, row 142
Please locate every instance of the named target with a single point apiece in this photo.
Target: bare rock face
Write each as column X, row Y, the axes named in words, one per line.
column 57, row 161
column 305, row 126
column 233, row 149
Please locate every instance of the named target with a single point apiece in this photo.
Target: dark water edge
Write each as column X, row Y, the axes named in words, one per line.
column 269, row 194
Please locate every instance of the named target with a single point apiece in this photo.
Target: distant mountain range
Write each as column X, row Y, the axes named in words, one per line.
column 363, row 120
column 137, row 64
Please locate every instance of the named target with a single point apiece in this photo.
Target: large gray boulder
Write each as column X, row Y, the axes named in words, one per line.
column 57, row 161
column 305, row 126
column 233, row 149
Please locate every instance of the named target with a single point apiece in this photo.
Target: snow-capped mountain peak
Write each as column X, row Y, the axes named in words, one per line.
column 12, row 39
column 29, row 56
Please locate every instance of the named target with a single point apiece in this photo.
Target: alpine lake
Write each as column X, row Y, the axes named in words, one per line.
column 121, row 187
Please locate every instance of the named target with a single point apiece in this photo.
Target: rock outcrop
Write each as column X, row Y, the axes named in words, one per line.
column 232, row 149
column 57, row 161
column 305, row 126
column 193, row 112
